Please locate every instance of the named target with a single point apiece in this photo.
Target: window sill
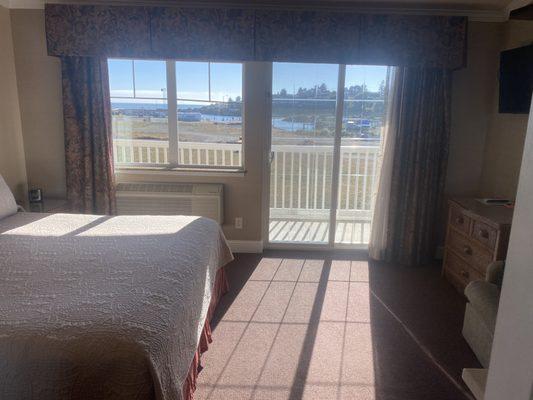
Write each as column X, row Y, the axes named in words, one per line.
column 237, row 172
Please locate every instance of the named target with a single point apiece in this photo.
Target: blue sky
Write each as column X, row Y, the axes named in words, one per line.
column 292, row 76
column 226, row 81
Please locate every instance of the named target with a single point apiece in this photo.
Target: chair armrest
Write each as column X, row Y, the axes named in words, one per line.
column 484, row 298
column 494, row 273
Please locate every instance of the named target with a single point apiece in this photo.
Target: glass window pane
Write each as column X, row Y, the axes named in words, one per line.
column 303, row 102
column 140, row 131
column 364, row 101
column 303, row 130
column 296, row 120
column 209, row 132
column 305, row 80
column 120, row 78
column 192, row 80
column 150, row 79
column 139, row 126
column 226, row 82
column 364, row 113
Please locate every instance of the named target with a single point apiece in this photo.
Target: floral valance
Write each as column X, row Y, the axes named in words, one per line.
column 202, row 33
column 94, row 30
column 233, row 34
column 307, row 36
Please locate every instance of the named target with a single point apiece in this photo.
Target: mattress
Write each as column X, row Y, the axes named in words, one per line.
column 99, row 307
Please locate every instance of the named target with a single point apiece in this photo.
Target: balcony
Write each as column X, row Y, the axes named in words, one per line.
column 300, row 184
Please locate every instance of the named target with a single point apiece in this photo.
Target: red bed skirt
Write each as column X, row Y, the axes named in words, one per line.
column 221, row 287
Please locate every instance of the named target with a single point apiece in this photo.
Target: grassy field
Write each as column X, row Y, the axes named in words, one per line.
column 127, row 127
column 157, row 129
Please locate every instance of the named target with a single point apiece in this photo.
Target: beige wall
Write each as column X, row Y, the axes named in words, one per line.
column 12, row 164
column 485, row 146
column 472, row 93
column 39, row 86
column 506, row 133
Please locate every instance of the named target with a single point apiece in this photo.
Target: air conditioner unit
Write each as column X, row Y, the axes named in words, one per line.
column 205, row 200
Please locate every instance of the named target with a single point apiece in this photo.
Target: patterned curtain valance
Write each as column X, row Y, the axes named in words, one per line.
column 417, row 41
column 255, row 35
column 97, row 30
column 307, row 36
column 203, row 33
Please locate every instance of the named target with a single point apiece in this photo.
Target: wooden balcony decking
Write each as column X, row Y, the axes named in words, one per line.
column 316, row 231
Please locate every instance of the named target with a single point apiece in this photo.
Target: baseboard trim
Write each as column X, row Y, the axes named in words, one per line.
column 476, row 380
column 246, row 246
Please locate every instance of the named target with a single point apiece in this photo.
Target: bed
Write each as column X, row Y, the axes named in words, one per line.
column 99, row 307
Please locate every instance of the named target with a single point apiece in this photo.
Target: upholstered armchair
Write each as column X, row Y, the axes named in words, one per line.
column 481, row 310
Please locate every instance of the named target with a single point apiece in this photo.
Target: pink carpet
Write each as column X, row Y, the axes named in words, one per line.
column 316, row 326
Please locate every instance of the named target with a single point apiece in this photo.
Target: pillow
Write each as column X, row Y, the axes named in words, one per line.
column 8, row 205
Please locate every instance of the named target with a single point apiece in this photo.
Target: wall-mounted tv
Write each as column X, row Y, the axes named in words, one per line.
column 516, row 80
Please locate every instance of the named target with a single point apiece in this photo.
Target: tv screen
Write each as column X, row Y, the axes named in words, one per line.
column 516, row 80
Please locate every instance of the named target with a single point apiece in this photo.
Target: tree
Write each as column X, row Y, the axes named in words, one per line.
column 322, row 89
column 382, row 89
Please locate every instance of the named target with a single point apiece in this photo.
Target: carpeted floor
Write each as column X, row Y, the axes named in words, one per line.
column 319, row 325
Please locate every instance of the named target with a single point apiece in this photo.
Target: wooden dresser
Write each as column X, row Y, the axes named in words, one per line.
column 477, row 234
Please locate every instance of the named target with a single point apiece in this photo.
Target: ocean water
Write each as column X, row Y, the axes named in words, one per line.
column 150, row 106
column 280, row 123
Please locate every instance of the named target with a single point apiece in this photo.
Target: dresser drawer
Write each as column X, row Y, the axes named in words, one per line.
column 460, row 271
column 459, row 221
column 472, row 253
column 477, row 234
column 485, row 234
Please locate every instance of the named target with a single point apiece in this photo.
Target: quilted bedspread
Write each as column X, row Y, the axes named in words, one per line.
column 95, row 307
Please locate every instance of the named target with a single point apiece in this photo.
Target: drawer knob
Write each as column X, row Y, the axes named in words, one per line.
column 464, row 273
column 484, row 233
column 467, row 250
column 459, row 220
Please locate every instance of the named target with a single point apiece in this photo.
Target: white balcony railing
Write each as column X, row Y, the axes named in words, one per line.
column 144, row 151
column 300, row 177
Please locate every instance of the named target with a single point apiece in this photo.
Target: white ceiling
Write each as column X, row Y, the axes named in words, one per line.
column 480, row 10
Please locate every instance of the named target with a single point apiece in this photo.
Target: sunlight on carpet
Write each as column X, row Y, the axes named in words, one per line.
column 298, row 329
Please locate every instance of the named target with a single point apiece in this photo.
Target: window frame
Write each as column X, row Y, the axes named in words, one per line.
column 173, row 135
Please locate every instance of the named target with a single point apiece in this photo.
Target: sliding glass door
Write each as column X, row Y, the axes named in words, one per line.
column 303, row 134
column 362, row 124
column 324, row 152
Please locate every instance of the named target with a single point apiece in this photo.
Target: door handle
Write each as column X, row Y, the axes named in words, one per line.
column 271, row 157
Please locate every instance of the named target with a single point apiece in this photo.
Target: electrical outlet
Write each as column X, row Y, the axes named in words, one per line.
column 238, row 223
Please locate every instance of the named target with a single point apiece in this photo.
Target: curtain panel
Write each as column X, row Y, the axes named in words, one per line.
column 381, row 201
column 88, row 146
column 411, row 184
column 232, row 34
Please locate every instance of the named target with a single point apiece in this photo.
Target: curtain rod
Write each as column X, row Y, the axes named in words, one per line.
column 312, row 5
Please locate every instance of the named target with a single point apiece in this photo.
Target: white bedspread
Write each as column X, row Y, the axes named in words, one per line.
column 103, row 307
